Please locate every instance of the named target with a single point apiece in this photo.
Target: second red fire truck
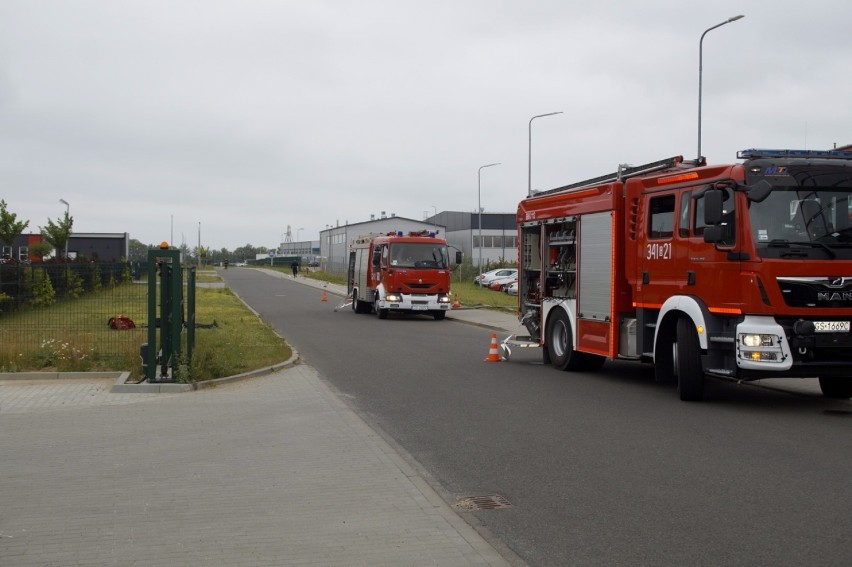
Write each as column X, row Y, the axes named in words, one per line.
column 405, row 272
column 741, row 270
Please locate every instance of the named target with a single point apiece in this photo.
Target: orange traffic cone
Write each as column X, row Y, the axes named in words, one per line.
column 324, row 296
column 457, row 303
column 493, row 355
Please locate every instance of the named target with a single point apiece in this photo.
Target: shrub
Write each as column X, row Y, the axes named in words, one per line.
column 75, row 283
column 43, row 292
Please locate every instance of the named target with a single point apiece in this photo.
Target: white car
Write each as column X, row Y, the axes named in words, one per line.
column 512, row 288
column 499, row 284
column 485, row 279
column 479, row 278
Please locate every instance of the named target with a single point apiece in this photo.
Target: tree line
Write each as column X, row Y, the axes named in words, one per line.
column 57, row 233
column 139, row 253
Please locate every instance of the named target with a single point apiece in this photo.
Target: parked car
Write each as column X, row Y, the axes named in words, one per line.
column 499, row 284
column 485, row 279
column 512, row 288
column 478, row 279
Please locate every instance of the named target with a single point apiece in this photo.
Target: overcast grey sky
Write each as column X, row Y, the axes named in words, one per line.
column 244, row 117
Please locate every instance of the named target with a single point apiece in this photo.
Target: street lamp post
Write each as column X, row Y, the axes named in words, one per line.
column 479, row 210
column 67, row 214
column 529, row 154
column 700, row 66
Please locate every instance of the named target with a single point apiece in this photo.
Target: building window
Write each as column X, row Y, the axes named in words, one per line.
column 23, row 253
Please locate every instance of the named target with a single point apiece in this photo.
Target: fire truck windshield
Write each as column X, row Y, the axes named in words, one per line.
column 419, row 255
column 796, row 221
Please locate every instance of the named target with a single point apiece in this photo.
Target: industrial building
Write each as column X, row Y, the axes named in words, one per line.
column 461, row 230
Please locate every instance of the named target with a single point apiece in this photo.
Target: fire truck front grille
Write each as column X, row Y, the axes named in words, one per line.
column 816, row 292
column 421, row 285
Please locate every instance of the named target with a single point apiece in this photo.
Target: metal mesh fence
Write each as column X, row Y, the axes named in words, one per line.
column 74, row 316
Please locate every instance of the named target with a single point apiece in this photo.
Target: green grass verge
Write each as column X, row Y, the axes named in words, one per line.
column 239, row 342
column 471, row 295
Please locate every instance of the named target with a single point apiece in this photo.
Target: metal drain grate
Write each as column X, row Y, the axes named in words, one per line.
column 474, row 503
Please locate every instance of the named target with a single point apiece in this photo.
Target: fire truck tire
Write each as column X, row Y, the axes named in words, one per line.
column 359, row 306
column 664, row 359
column 838, row 387
column 690, row 375
column 382, row 313
column 438, row 315
column 560, row 343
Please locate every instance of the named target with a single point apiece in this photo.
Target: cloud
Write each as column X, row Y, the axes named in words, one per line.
column 247, row 117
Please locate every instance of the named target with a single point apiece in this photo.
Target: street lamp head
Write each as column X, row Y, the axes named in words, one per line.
column 543, row 115
column 735, row 18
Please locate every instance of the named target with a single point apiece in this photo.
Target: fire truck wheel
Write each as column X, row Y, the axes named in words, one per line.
column 438, row 315
column 838, row 387
column 690, row 376
column 664, row 357
column 382, row 313
column 560, row 343
column 359, row 306
column 559, row 348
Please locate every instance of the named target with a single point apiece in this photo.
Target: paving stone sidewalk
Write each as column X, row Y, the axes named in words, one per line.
column 271, row 471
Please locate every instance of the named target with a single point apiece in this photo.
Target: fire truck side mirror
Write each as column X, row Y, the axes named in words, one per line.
column 377, row 257
column 713, row 207
column 713, row 215
column 458, row 257
column 713, row 234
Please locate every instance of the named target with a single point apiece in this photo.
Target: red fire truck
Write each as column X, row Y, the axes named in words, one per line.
column 741, row 271
column 407, row 272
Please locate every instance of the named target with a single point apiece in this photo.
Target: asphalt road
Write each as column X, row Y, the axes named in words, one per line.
column 600, row 469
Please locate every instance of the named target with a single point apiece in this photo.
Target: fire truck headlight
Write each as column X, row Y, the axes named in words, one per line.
column 443, row 299
column 392, row 297
column 757, row 347
column 756, row 340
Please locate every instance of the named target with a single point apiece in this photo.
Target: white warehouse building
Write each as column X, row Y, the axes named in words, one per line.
column 461, row 229
column 335, row 241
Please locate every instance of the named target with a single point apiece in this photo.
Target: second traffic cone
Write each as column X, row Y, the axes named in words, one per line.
column 324, row 296
column 493, row 355
column 457, row 303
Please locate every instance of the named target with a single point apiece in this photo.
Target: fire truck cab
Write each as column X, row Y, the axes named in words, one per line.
column 403, row 272
column 741, row 271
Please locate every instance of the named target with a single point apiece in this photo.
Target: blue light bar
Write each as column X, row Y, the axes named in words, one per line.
column 764, row 153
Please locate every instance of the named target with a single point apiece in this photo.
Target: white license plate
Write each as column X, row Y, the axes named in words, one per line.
column 831, row 326
column 419, row 307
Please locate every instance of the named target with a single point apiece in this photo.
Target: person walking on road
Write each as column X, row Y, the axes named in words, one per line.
column 294, row 265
